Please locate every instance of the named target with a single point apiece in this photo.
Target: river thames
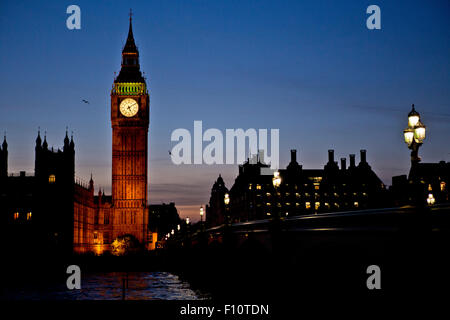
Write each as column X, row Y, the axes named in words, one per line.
column 110, row 286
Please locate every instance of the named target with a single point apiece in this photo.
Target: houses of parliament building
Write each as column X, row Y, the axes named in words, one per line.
column 53, row 209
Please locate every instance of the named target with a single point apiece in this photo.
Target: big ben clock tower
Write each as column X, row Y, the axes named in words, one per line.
column 129, row 121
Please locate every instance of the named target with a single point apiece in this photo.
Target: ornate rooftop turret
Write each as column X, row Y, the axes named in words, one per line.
column 45, row 144
column 130, row 70
column 5, row 144
column 38, row 139
column 66, row 142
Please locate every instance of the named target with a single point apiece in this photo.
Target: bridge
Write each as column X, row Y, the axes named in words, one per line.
column 295, row 230
column 327, row 250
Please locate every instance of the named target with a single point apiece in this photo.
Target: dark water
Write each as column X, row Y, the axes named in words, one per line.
column 109, row 286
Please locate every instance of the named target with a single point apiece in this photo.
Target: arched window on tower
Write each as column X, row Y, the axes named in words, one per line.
column 51, row 178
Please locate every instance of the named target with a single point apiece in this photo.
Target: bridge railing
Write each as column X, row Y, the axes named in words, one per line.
column 384, row 218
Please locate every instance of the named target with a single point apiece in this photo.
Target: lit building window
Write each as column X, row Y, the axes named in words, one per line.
column 16, row 215
column 268, row 194
column 317, row 205
column 258, row 187
column 29, row 216
column 308, row 205
column 442, row 186
column 297, row 204
column 429, row 187
column 268, row 203
column 356, row 204
column 297, row 195
column 316, row 186
column 250, row 186
column 51, row 178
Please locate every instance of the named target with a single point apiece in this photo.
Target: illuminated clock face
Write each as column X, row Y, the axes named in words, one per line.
column 129, row 107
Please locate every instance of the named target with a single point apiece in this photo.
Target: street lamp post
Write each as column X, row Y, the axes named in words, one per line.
column 414, row 135
column 276, row 226
column 276, row 180
column 226, row 200
column 186, row 232
column 202, row 212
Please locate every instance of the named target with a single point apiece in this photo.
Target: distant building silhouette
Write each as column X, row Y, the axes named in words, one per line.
column 215, row 210
column 163, row 218
column 302, row 191
column 38, row 210
column 428, row 181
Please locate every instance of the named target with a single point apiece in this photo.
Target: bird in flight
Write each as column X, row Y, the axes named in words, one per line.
column 85, row 101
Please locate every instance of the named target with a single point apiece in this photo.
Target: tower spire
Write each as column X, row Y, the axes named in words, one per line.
column 45, row 144
column 38, row 138
column 130, row 46
column 5, row 144
column 130, row 70
column 66, row 140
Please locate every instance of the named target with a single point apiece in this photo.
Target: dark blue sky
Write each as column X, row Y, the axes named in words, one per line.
column 310, row 68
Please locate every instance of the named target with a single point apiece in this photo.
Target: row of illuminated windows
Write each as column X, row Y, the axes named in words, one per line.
column 17, row 215
column 316, row 195
column 442, row 186
column 316, row 186
column 258, row 187
column 308, row 204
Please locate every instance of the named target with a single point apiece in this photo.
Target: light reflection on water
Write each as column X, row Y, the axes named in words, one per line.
column 108, row 286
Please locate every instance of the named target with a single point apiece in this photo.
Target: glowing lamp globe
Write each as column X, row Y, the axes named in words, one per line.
column 276, row 180
column 227, row 199
column 419, row 132
column 409, row 136
column 413, row 117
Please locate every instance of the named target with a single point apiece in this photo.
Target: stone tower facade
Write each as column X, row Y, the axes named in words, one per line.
column 130, row 120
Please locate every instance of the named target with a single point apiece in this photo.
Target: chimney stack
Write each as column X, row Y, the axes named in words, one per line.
column 363, row 156
column 343, row 164
column 331, row 156
column 293, row 155
column 352, row 161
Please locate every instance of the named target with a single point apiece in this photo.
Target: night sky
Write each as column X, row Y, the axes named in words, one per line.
column 309, row 68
